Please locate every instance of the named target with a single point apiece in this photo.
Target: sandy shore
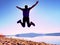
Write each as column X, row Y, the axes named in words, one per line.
column 15, row 41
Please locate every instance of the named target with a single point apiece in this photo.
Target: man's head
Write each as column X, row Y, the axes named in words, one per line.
column 26, row 6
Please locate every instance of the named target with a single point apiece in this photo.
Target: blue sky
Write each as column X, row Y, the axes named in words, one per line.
column 46, row 16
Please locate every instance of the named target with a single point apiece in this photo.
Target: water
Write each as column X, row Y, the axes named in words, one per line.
column 46, row 39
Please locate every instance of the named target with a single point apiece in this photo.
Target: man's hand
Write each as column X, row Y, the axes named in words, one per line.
column 17, row 6
column 34, row 5
column 37, row 2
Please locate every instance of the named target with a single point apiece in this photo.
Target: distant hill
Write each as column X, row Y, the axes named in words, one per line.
column 30, row 35
column 36, row 34
column 53, row 34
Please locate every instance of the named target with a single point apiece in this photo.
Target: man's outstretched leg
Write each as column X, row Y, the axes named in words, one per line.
column 29, row 23
column 23, row 24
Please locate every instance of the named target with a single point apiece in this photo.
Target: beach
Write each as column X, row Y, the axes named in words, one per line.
column 16, row 41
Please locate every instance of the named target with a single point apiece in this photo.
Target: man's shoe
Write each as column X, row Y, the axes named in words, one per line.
column 19, row 21
column 32, row 23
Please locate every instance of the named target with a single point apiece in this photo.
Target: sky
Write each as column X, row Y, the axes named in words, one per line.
column 45, row 15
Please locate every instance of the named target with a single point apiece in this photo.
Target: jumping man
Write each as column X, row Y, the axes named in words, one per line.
column 26, row 11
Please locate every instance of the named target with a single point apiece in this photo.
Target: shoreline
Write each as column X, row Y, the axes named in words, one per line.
column 16, row 41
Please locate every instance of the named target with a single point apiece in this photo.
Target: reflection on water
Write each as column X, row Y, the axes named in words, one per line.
column 47, row 39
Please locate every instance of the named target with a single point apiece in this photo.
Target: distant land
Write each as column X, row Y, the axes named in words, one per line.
column 35, row 35
column 53, row 34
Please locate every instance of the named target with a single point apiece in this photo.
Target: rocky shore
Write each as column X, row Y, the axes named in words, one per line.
column 15, row 41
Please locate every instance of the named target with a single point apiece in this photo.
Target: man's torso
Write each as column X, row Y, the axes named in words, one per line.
column 26, row 12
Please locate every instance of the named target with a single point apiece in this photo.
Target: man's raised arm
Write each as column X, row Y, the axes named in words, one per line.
column 19, row 8
column 34, row 5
